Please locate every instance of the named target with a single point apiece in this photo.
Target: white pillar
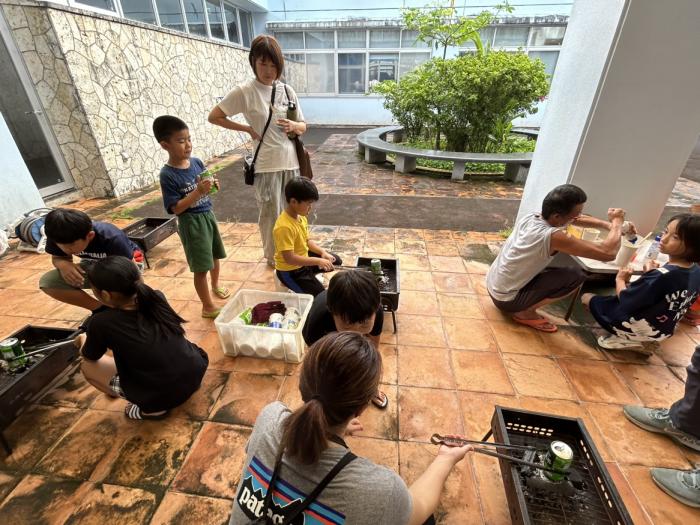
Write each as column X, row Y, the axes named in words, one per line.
column 624, row 109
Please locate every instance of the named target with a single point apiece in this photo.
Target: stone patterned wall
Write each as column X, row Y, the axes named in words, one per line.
column 111, row 78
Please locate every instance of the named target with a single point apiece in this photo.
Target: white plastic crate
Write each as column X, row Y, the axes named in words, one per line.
column 262, row 341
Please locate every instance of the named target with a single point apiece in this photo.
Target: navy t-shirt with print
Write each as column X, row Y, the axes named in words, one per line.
column 176, row 183
column 108, row 240
column 650, row 307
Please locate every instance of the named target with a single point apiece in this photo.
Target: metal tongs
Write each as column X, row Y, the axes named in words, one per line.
column 437, row 439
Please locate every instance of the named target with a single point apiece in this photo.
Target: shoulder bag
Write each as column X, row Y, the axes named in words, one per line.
column 249, row 161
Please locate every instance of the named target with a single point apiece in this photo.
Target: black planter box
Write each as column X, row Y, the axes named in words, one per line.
column 150, row 232
column 19, row 390
column 597, row 502
column 390, row 298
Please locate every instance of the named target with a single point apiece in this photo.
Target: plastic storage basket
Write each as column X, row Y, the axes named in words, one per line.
column 262, row 341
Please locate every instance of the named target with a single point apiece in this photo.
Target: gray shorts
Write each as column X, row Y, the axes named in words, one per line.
column 551, row 283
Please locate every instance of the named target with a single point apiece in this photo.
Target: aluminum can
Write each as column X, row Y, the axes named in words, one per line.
column 275, row 320
column 291, row 318
column 376, row 266
column 559, row 457
column 11, row 348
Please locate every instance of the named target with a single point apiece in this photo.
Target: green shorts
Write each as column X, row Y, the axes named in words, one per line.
column 200, row 238
column 53, row 280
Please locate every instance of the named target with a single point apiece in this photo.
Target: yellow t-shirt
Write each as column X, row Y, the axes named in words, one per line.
column 290, row 234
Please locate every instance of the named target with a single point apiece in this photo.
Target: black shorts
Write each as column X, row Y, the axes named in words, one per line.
column 551, row 283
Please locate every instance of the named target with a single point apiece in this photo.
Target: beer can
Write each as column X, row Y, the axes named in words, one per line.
column 275, row 320
column 559, row 457
column 291, row 318
column 376, row 266
column 12, row 348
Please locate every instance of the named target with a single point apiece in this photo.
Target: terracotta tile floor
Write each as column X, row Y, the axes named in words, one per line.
column 455, row 357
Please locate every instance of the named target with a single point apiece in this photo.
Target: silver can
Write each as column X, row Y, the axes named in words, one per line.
column 275, row 320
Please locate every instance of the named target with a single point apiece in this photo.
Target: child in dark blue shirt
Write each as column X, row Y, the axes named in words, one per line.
column 647, row 310
column 186, row 195
column 72, row 232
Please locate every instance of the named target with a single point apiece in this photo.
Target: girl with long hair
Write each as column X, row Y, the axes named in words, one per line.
column 155, row 368
column 298, row 463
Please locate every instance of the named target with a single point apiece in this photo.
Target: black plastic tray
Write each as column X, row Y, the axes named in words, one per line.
column 151, row 231
column 390, row 299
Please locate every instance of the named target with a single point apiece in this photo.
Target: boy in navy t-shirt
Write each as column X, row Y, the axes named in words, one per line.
column 72, row 232
column 186, row 195
column 647, row 310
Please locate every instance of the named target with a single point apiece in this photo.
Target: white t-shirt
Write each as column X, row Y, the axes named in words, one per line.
column 252, row 99
column 524, row 254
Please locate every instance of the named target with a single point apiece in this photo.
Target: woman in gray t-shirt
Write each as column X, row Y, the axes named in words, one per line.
column 339, row 376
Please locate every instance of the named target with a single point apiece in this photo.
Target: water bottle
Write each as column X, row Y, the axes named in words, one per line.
column 205, row 175
column 292, row 114
column 139, row 260
column 653, row 251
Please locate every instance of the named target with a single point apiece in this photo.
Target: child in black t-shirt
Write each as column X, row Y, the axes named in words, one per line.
column 647, row 310
column 154, row 367
column 72, row 232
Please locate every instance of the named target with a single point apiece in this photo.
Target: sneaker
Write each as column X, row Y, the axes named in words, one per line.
column 659, row 420
column 613, row 342
column 679, row 484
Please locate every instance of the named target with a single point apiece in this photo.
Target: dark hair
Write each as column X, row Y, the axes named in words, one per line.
column 266, row 46
column 166, row 125
column 353, row 295
column 119, row 274
column 65, row 226
column 688, row 230
column 562, row 200
column 301, row 189
column 339, row 375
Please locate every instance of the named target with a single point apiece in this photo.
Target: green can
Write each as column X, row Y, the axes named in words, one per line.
column 376, row 266
column 205, row 175
column 10, row 349
column 558, row 457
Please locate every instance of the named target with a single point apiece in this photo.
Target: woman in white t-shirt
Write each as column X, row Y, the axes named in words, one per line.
column 277, row 161
column 339, row 377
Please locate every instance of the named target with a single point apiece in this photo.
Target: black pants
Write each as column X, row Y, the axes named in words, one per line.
column 303, row 280
column 550, row 283
column 685, row 413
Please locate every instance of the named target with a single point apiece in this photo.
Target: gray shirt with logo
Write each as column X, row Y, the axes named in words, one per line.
column 362, row 493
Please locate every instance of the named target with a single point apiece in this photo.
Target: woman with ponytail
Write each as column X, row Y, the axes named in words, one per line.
column 154, row 367
column 301, row 454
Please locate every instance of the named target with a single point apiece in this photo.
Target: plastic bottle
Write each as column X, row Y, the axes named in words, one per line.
column 292, row 114
column 139, row 260
column 653, row 251
column 206, row 174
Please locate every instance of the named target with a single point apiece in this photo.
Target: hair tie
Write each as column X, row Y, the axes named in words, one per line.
column 317, row 397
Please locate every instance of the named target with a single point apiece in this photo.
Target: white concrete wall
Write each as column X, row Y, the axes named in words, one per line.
column 19, row 193
column 624, row 110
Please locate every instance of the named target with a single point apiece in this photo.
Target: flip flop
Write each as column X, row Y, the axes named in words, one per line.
column 541, row 324
column 611, row 342
column 221, row 292
column 380, row 404
column 211, row 315
column 134, row 412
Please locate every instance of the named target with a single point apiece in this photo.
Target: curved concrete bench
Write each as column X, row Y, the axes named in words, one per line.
column 374, row 147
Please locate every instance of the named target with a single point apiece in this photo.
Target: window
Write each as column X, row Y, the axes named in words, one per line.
column 383, row 38
column 320, row 40
column 291, row 40
column 547, row 36
column 231, row 23
column 352, row 39
column 170, row 14
column 511, row 36
column 410, row 61
column 246, row 27
column 139, row 10
column 486, row 35
column 216, row 19
column 107, row 5
column 351, row 72
column 320, row 73
column 410, row 39
column 194, row 11
column 383, row 67
column 548, row 57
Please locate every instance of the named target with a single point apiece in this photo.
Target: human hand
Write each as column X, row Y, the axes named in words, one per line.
column 453, row 454
column 327, row 256
column 288, row 126
column 624, row 274
column 324, row 264
column 253, row 134
column 79, row 341
column 650, row 265
column 353, row 427
column 631, row 227
column 73, row 274
column 616, row 214
column 204, row 185
column 217, row 184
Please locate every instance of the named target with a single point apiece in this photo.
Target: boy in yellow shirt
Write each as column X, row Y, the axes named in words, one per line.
column 297, row 258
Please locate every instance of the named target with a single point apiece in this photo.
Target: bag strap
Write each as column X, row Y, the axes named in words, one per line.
column 267, row 124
